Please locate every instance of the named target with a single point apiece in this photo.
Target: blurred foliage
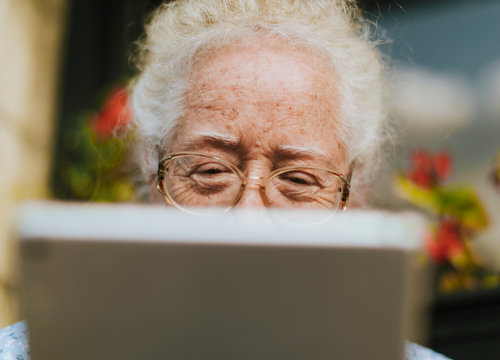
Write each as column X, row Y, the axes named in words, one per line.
column 458, row 216
column 94, row 163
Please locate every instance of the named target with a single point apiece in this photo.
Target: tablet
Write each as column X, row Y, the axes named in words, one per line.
column 150, row 282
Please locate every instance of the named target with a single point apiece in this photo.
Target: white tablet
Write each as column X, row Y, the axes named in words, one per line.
column 146, row 282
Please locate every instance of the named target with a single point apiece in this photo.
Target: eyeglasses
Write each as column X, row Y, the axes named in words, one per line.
column 189, row 179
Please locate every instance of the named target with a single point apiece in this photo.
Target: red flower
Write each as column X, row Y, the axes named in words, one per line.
column 442, row 165
column 427, row 170
column 114, row 115
column 422, row 172
column 447, row 241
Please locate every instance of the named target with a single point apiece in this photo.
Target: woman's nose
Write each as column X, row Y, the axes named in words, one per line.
column 251, row 197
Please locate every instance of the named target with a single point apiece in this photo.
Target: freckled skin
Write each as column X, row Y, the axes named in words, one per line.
column 265, row 94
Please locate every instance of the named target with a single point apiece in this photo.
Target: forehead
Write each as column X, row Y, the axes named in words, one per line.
column 265, row 64
column 264, row 93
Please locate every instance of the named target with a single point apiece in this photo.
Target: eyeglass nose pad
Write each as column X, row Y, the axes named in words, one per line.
column 252, row 194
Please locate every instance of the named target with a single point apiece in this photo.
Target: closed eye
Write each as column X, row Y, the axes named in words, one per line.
column 299, row 178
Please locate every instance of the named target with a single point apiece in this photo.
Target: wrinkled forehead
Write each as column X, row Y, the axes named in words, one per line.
column 271, row 63
column 265, row 95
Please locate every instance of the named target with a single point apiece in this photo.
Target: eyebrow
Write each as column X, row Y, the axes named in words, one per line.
column 231, row 143
column 298, row 152
column 222, row 141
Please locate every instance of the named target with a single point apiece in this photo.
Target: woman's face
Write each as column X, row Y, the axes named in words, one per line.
column 261, row 105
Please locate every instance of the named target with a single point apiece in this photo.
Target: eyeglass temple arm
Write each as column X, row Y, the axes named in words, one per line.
column 347, row 189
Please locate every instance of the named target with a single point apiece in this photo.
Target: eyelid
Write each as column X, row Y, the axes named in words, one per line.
column 311, row 179
column 207, row 166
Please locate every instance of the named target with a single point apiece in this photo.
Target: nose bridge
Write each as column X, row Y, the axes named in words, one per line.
column 252, row 195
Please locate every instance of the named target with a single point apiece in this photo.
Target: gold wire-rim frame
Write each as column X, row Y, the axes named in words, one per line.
column 169, row 157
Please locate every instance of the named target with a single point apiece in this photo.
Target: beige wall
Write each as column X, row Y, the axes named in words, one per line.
column 30, row 41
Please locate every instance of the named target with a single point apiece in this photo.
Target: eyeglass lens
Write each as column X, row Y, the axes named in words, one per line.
column 194, row 180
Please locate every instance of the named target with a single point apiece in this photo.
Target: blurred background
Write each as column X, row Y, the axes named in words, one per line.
column 64, row 66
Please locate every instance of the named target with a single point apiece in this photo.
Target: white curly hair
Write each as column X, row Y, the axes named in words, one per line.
column 179, row 30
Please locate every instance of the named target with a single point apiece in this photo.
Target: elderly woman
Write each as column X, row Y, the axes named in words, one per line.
column 284, row 97
column 254, row 103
